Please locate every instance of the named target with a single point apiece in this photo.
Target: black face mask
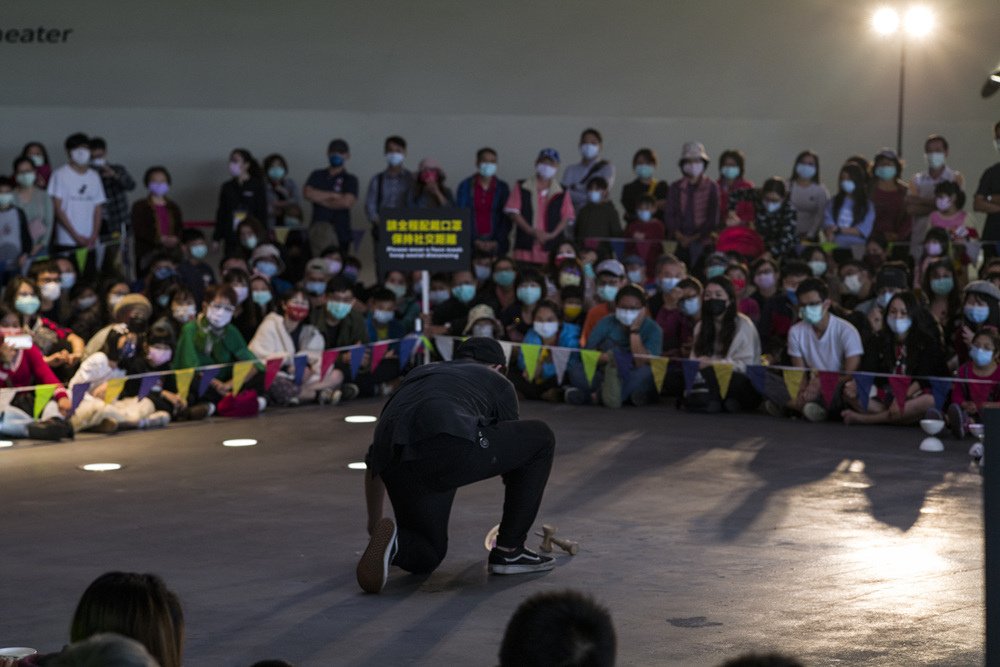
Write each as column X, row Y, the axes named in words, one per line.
column 714, row 307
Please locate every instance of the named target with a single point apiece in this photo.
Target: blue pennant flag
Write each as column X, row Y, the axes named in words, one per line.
column 941, row 390
column 864, row 383
column 406, row 349
column 623, row 362
column 79, row 391
column 301, row 364
column 146, row 385
column 357, row 355
column 690, row 368
column 758, row 377
column 207, row 376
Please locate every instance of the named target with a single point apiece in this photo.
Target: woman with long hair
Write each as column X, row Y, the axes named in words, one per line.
column 850, row 215
column 242, row 196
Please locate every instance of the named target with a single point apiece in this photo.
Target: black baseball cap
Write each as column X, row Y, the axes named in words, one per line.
column 482, row 349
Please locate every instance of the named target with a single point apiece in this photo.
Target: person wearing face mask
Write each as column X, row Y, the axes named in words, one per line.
column 482, row 267
column 266, row 260
column 910, row 344
column 428, row 189
column 162, row 277
column 807, row 195
column 333, row 191
column 250, row 233
column 107, row 363
column 181, row 309
column 573, row 311
column 78, row 200
column 49, row 280
column 646, row 234
column 210, row 338
column 499, row 292
column 449, row 316
column 484, row 195
column 677, row 316
column 62, row 349
column 969, row 398
column 610, row 279
column 282, row 190
column 667, row 273
column 407, row 307
column 117, row 183
column 980, row 307
column 517, row 319
column 388, row 188
column 920, row 200
column 245, row 318
column 774, row 217
column 855, row 285
column 15, row 236
column 644, row 164
column 39, row 156
column 157, row 220
column 628, row 330
column 944, row 294
column 737, row 273
column 193, row 271
column 821, row 341
column 936, row 246
column 546, row 330
column 732, row 167
column 849, row 217
column 483, row 323
column 876, row 252
column 948, row 215
column 763, row 281
column 288, row 334
column 635, row 271
column 540, row 210
column 692, row 209
column 241, row 197
column 36, row 204
column 781, row 310
column 597, row 219
column 728, row 336
column 577, row 177
column 86, row 316
column 987, row 200
column 382, row 323
column 889, row 198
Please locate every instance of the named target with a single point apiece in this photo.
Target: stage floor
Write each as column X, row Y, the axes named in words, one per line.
column 706, row 536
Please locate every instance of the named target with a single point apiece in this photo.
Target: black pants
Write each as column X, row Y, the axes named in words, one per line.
column 422, row 491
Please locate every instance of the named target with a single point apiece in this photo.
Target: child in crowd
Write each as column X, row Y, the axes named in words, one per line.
column 969, row 398
column 646, row 233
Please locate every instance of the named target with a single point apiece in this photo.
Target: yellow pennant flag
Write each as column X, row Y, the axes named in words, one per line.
column 793, row 382
column 530, row 355
column 723, row 374
column 240, row 371
column 281, row 233
column 114, row 389
column 659, row 368
column 184, row 378
column 43, row 394
column 590, row 359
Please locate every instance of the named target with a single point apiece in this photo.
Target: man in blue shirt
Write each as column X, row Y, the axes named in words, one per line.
column 332, row 192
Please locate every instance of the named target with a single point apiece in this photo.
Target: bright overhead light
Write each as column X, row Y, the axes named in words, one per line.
column 360, row 419
column 239, row 442
column 885, row 21
column 101, row 467
column 919, row 21
column 6, row 443
column 358, row 465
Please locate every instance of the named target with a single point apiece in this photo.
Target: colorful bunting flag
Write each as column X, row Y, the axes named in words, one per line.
column 329, row 359
column 357, row 356
column 7, row 395
column 81, row 259
column 426, row 342
column 590, row 359
column 240, row 371
column 146, row 385
column 183, row 378
column 378, row 351
column 623, row 363
column 863, row 381
column 900, row 385
column 723, row 375
column 43, row 394
column 406, row 348
column 271, row 368
column 793, row 382
column 301, row 362
column 941, row 390
column 508, row 347
column 79, row 390
column 357, row 236
column 281, row 233
column 530, row 355
column 207, row 376
column 828, row 381
column 445, row 346
column 114, row 389
column 659, row 368
column 690, row 369
column 758, row 377
column 560, row 359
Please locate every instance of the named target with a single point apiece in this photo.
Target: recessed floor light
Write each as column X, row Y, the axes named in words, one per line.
column 6, row 443
column 239, row 442
column 358, row 465
column 360, row 419
column 101, row 467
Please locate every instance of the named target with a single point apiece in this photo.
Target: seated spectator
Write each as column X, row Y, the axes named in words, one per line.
column 571, row 300
column 266, row 260
column 485, row 195
column 157, row 222
column 781, row 310
column 774, row 218
column 745, row 304
column 161, row 280
column 764, row 273
column 383, row 322
column 155, row 354
column 449, row 316
column 138, row 606
column 820, row 342
column 126, row 307
column 942, row 291
column 980, row 307
column 937, row 247
column 210, row 339
column 86, row 314
column 644, row 164
column 546, row 330
column 483, row 323
column 559, row 628
column 482, row 267
column 60, row 347
column 969, row 398
column 246, row 317
column 723, row 335
column 635, row 271
column 317, row 275
column 250, row 233
column 876, row 252
column 261, row 295
column 646, row 234
column 106, row 649
column 909, row 344
column 428, row 189
column 193, row 271
column 610, row 278
column 407, row 308
column 855, row 283
column 342, row 326
column 517, row 318
column 597, row 219
column 48, row 277
column 288, row 334
column 629, row 330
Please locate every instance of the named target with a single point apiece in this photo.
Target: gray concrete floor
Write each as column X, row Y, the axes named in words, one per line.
column 705, row 536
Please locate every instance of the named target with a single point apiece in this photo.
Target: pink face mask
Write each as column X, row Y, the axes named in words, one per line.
column 158, row 356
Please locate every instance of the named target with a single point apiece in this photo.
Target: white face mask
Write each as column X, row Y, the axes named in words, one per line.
column 80, row 156
column 546, row 329
column 627, row 316
column 395, row 158
column 589, row 151
column 694, row 169
column 853, row 283
column 218, row 317
column 594, row 196
column 546, row 171
column 482, row 330
column 242, row 292
column 50, row 291
column 183, row 314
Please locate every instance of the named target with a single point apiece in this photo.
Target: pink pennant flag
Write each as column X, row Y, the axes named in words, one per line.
column 378, row 351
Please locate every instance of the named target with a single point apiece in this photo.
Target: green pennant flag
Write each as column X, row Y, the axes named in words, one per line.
column 427, row 343
column 828, row 246
column 530, row 355
column 43, row 394
column 81, row 259
column 590, row 359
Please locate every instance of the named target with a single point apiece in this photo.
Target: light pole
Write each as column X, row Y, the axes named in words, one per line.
column 917, row 22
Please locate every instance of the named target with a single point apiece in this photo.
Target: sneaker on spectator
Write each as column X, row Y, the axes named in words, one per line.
column 976, row 451
column 773, row 409
column 958, row 420
column 373, row 568
column 575, row 396
column 158, row 419
column 349, row 391
column 521, row 561
column 732, row 405
column 324, row 396
column 261, row 404
column 611, row 387
column 107, row 425
column 814, row 412
column 639, row 398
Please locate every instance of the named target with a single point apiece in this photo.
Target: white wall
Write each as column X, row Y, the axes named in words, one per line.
column 181, row 83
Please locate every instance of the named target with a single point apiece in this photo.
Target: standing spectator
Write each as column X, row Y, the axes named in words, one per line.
column 889, row 197
column 920, row 200
column 35, row 151
column 597, row 220
column 332, row 192
column 644, row 164
column 388, row 188
column 485, row 195
column 428, row 189
column 807, row 195
column 540, row 209
column 36, row 204
column 988, row 201
column 78, row 199
column 242, row 196
column 849, row 216
column 157, row 222
column 692, row 211
column 732, row 167
column 15, row 239
column 282, row 191
column 577, row 176
column 117, row 182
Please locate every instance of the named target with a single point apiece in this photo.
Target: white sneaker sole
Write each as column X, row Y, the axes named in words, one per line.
column 496, row 568
column 373, row 568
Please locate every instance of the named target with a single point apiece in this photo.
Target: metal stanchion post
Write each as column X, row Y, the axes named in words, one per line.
column 991, row 520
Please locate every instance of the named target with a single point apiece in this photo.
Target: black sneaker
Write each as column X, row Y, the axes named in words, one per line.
column 373, row 568
column 349, row 391
column 521, row 561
